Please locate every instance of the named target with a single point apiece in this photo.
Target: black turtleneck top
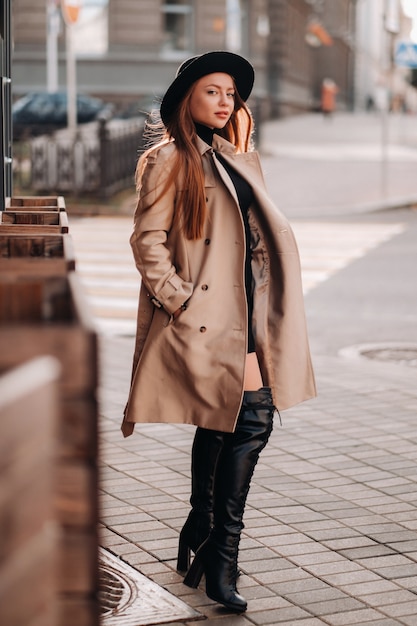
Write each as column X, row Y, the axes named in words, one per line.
column 245, row 197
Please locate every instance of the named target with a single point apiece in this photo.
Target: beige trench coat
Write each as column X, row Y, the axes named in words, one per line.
column 191, row 369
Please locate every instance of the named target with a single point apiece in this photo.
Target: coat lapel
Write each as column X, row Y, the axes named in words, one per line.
column 246, row 164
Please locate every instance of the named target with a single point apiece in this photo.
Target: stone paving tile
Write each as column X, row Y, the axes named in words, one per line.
column 388, row 561
column 399, row 572
column 331, row 534
column 156, row 567
column 401, row 534
column 263, row 530
column 303, row 549
column 373, row 585
column 358, row 541
column 307, row 584
column 232, row 620
column 310, row 621
column 112, row 518
column 287, row 615
column 256, row 555
column 402, row 609
column 361, row 554
column 270, row 578
column 139, row 559
column 344, row 579
column 408, row 620
column 324, row 570
column 340, row 605
column 310, row 560
column 394, row 508
column 287, row 539
column 268, row 603
column 315, row 595
column 389, row 597
column 360, row 616
column 381, row 621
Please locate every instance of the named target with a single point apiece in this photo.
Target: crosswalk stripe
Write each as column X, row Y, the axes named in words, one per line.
column 111, row 281
column 327, row 247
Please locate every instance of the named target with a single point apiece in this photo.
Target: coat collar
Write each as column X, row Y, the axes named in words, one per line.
column 246, row 164
column 219, row 144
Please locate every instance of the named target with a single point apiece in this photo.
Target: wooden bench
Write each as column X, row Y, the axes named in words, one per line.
column 35, row 203
column 29, row 539
column 30, row 222
column 48, row 315
column 36, row 254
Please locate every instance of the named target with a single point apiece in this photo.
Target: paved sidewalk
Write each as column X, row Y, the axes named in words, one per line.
column 331, row 521
column 331, row 524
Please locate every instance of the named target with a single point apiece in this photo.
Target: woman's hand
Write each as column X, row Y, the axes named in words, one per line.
column 178, row 312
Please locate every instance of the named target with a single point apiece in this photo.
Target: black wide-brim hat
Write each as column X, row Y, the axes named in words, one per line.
column 196, row 67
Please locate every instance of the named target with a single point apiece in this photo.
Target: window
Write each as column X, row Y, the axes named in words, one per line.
column 91, row 29
column 177, row 25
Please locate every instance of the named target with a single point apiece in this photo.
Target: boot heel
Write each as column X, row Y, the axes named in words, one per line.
column 195, row 573
column 183, row 560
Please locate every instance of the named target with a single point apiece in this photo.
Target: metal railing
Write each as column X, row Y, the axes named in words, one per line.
column 99, row 158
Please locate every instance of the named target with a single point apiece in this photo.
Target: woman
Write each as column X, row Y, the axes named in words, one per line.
column 221, row 334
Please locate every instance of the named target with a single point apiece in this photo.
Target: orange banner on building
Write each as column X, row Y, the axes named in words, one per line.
column 319, row 31
column 71, row 11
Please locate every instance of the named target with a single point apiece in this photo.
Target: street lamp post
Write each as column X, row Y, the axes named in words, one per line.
column 390, row 28
column 71, row 11
column 52, row 32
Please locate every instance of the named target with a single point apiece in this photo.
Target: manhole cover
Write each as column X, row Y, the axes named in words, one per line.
column 403, row 354
column 127, row 598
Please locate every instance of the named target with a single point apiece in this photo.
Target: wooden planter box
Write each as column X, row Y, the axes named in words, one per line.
column 31, row 222
column 36, row 254
column 29, row 533
column 48, row 315
column 35, row 203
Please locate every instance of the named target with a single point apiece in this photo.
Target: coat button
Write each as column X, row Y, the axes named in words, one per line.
column 207, row 242
column 203, row 329
column 204, row 287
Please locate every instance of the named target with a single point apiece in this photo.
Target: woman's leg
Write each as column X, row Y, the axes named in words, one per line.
column 253, row 378
column 205, row 451
column 217, row 557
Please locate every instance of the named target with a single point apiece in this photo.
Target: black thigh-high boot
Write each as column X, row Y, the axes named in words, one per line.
column 205, row 451
column 217, row 557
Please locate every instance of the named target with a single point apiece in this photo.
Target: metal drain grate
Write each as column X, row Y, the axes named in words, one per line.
column 116, row 591
column 403, row 354
column 128, row 598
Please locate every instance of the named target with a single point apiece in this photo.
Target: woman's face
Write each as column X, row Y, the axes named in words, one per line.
column 213, row 100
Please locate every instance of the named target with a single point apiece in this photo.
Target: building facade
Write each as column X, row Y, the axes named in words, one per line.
column 131, row 48
column 380, row 83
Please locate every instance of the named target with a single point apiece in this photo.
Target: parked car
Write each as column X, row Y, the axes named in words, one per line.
column 145, row 106
column 41, row 111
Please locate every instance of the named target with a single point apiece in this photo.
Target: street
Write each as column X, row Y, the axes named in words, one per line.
column 373, row 299
column 330, row 529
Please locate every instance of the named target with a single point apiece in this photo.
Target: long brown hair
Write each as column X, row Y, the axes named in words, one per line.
column 191, row 210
